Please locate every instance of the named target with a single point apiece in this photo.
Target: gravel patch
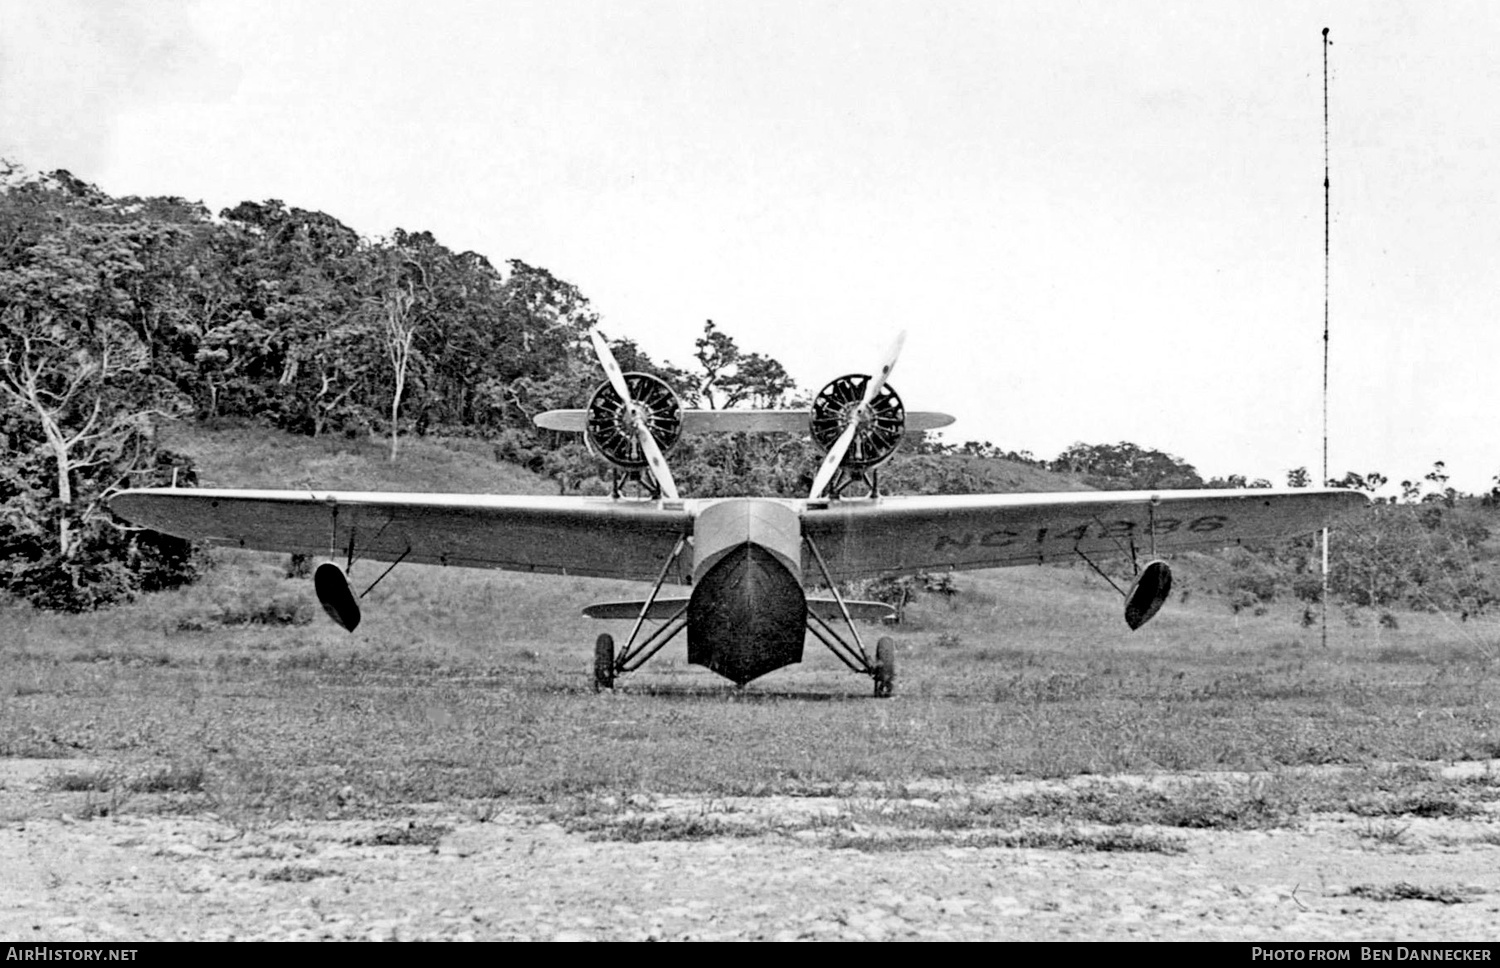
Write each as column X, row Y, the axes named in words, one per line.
column 770, row 870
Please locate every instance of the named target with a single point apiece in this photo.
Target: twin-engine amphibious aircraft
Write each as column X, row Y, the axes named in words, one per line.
column 748, row 562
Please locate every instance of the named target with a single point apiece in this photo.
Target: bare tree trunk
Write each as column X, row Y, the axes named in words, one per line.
column 400, row 330
column 404, row 355
column 64, row 487
column 401, row 333
column 23, row 378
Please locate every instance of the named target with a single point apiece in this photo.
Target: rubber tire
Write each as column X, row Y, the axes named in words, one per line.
column 885, row 667
column 604, row 662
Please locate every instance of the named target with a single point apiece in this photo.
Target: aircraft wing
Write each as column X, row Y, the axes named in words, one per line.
column 596, row 537
column 905, row 535
column 734, row 421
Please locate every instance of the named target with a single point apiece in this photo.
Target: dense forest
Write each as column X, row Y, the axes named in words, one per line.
column 117, row 314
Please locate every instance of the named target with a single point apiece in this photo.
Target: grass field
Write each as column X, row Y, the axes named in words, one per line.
column 252, row 456
column 237, row 696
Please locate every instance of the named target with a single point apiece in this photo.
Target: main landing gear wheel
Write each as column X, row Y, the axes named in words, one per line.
column 885, row 667
column 604, row 662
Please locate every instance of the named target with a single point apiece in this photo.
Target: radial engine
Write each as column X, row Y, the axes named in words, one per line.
column 879, row 425
column 610, row 424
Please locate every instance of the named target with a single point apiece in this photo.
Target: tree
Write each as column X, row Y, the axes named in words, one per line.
column 465, row 340
column 1439, row 477
column 400, row 330
column 530, row 347
column 302, row 345
column 1126, row 466
column 1237, row 481
column 731, row 377
column 715, row 352
column 69, row 359
column 62, row 384
column 402, row 301
column 759, row 380
column 80, row 303
column 1422, row 556
column 1351, row 481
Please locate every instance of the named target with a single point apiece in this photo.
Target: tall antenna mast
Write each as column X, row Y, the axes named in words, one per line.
column 1326, row 226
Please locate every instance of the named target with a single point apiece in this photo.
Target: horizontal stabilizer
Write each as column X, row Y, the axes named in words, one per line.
column 661, row 609
column 827, row 609
column 734, row 421
column 664, row 608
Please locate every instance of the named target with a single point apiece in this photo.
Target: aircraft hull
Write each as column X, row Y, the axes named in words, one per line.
column 747, row 614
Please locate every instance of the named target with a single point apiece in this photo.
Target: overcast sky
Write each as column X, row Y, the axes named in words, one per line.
column 1098, row 221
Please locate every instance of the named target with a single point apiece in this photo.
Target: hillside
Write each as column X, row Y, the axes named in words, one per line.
column 251, row 456
column 1003, row 476
column 245, row 455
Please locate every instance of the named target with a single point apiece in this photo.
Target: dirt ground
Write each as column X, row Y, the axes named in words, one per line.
column 488, row 871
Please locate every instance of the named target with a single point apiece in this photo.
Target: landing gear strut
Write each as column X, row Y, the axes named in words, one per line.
column 852, row 653
column 608, row 666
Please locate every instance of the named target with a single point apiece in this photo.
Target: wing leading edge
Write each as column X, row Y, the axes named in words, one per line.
column 595, row 537
column 904, row 535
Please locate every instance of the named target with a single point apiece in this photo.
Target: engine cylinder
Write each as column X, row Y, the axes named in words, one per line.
column 609, row 427
column 879, row 432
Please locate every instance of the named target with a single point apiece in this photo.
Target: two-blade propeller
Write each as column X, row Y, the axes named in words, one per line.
column 635, row 415
column 856, row 416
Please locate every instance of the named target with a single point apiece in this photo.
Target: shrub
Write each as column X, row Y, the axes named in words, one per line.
column 109, row 561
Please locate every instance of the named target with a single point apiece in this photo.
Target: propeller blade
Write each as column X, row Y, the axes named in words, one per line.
column 654, row 458
column 832, row 460
column 611, row 367
column 877, row 383
column 835, row 455
column 656, row 461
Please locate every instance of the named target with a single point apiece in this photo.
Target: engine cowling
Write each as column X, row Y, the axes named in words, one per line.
column 608, row 431
column 880, row 429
